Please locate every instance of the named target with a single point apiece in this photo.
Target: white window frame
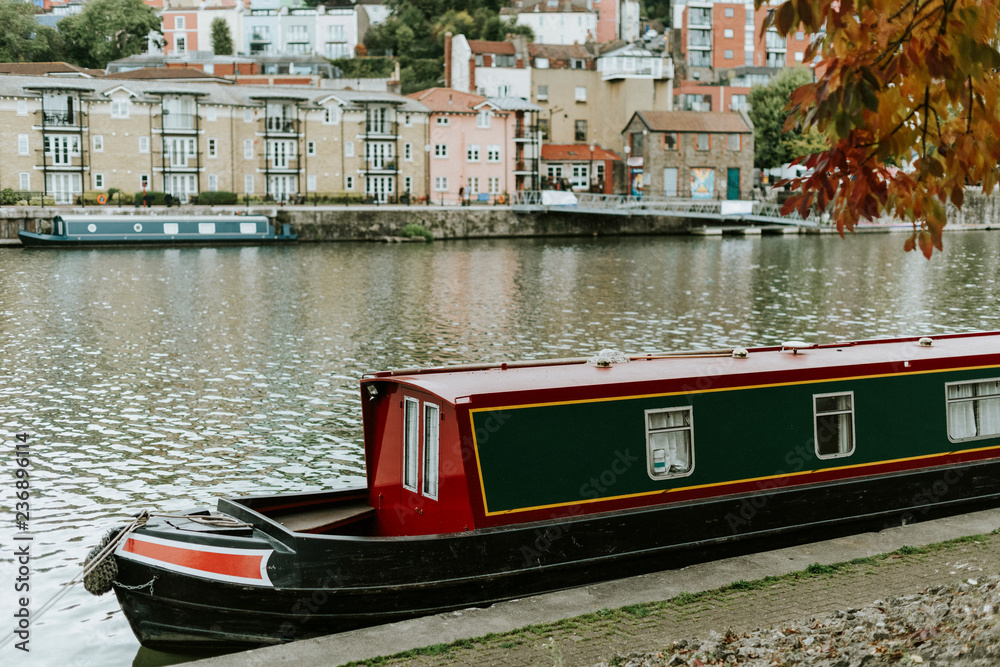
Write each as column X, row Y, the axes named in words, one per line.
column 248, row 184
column 213, row 183
column 348, row 149
column 472, row 152
column 951, row 402
column 411, row 443
column 179, row 23
column 650, row 451
column 431, row 458
column 143, row 144
column 331, row 116
column 580, row 93
column 543, row 93
column 144, row 181
column 99, row 183
column 248, row 150
column 23, row 144
column 24, row 180
column 213, row 147
column 247, row 114
column 441, row 151
column 311, row 183
column 493, row 153
column 442, row 120
column 98, row 143
column 212, row 114
column 120, row 107
column 483, row 119
column 310, row 148
column 349, row 182
column 408, row 120
column 494, row 185
column 440, row 184
column 408, row 152
column 817, row 415
column 408, row 184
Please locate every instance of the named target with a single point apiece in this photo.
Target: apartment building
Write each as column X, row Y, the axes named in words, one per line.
column 588, row 96
column 557, row 21
column 65, row 137
column 333, row 30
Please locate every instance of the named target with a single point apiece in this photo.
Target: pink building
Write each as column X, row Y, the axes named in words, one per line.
column 180, row 32
column 472, row 147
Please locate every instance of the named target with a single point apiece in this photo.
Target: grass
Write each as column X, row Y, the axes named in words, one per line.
column 413, row 229
column 680, row 602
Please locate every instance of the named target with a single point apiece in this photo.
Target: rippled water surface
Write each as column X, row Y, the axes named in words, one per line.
column 166, row 378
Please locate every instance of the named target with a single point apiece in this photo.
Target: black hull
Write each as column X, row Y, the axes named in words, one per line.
column 31, row 240
column 336, row 583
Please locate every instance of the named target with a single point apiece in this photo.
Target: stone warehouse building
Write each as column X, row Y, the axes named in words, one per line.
column 64, row 137
column 690, row 154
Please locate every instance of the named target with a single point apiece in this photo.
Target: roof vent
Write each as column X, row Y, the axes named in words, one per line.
column 926, row 341
column 605, row 358
column 740, row 353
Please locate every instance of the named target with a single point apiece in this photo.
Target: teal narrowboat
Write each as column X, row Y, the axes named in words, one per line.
column 165, row 229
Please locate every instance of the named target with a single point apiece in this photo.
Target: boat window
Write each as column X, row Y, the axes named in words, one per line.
column 432, row 422
column 669, row 442
column 411, row 426
column 834, row 424
column 973, row 409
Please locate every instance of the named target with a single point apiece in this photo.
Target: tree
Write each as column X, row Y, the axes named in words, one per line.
column 907, row 97
column 22, row 38
column 107, row 30
column 222, row 40
column 773, row 146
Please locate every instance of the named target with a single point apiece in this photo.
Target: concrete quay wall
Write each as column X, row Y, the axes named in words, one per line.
column 374, row 223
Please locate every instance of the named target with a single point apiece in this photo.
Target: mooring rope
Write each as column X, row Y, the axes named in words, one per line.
column 100, row 569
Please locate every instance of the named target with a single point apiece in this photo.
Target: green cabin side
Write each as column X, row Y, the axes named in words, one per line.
column 555, row 458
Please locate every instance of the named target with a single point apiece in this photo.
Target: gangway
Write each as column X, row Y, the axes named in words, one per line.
column 711, row 211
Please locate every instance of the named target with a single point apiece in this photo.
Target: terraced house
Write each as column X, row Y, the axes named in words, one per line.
column 64, row 138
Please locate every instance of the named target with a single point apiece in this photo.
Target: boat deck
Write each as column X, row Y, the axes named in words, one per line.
column 322, row 519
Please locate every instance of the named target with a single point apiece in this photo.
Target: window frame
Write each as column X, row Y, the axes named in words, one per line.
column 431, row 451
column 23, row 144
column 817, row 415
column 213, row 148
column 472, row 152
column 950, row 401
column 99, row 182
column 689, row 427
column 411, row 444
column 311, row 148
column 441, row 151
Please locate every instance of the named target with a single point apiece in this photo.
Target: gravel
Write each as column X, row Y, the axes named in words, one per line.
column 944, row 625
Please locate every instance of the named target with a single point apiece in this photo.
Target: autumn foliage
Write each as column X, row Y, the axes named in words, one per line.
column 908, row 97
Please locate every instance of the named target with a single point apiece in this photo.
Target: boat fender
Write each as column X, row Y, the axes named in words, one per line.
column 740, row 353
column 606, row 357
column 98, row 581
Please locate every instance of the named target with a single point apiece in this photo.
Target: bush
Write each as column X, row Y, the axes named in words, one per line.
column 8, row 197
column 413, row 229
column 153, row 198
column 213, row 198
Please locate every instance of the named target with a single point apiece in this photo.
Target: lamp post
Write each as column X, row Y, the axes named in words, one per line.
column 628, row 172
column 590, row 170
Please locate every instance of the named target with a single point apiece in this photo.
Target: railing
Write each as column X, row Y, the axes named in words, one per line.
column 524, row 131
column 282, row 125
column 178, row 121
column 625, row 205
column 63, row 118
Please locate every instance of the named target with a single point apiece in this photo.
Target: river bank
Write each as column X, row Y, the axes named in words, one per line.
column 376, row 223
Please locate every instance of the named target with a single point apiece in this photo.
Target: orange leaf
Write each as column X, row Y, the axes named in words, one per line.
column 925, row 243
column 911, row 243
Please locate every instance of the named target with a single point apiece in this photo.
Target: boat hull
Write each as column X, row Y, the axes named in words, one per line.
column 157, row 230
column 321, row 584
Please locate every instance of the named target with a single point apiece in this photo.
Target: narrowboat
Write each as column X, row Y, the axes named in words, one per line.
column 493, row 482
column 166, row 229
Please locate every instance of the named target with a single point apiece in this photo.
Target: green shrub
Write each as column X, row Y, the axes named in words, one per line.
column 110, row 198
column 213, row 198
column 152, row 198
column 413, row 229
column 8, row 197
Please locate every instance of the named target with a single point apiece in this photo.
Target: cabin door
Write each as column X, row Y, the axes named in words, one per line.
column 732, row 183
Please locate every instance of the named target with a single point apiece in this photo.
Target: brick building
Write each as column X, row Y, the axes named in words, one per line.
column 690, row 154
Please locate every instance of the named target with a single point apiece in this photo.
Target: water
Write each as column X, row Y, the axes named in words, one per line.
column 166, row 378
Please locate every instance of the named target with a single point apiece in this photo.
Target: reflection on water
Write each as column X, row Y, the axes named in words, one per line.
column 166, row 378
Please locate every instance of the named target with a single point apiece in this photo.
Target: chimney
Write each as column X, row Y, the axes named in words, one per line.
column 447, row 60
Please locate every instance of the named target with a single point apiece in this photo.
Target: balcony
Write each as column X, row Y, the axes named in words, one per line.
column 179, row 122
column 381, row 166
column 59, row 119
column 279, row 125
column 525, row 132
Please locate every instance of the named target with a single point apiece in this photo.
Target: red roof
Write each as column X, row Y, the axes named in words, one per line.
column 501, row 48
column 44, row 69
column 447, row 99
column 165, row 73
column 575, row 153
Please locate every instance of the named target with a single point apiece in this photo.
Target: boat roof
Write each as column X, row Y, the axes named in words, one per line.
column 771, row 364
column 162, row 217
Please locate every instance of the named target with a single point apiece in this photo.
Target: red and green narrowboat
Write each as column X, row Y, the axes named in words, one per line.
column 499, row 481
